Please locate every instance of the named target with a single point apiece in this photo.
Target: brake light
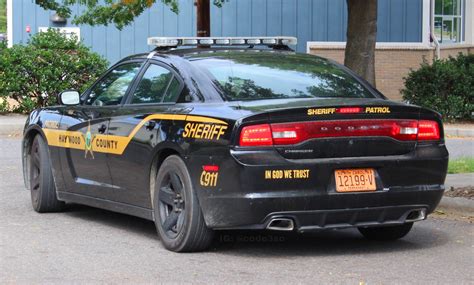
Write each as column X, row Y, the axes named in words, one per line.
column 257, row 135
column 297, row 132
column 349, row 110
column 428, row 130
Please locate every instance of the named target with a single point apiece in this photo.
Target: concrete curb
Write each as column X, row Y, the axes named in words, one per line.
column 459, row 180
column 458, row 132
column 457, row 204
column 7, row 130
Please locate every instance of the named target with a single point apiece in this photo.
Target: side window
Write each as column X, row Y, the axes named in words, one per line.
column 153, row 85
column 173, row 91
column 112, row 88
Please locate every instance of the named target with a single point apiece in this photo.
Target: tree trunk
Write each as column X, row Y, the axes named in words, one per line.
column 203, row 10
column 361, row 38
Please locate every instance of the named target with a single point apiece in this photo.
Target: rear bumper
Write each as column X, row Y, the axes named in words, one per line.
column 317, row 212
column 252, row 189
column 305, row 221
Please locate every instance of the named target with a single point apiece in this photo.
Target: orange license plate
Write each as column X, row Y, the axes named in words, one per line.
column 355, row 180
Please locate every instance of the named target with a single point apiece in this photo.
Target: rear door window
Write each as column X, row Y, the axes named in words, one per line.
column 153, row 86
column 173, row 91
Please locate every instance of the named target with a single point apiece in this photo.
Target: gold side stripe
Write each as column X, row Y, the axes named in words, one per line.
column 67, row 139
column 112, row 143
column 199, row 119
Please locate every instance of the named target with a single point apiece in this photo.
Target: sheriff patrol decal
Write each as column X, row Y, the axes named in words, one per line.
column 321, row 111
column 197, row 127
column 204, row 131
column 330, row 111
column 377, row 110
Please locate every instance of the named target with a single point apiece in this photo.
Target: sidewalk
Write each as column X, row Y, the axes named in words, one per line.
column 459, row 180
column 459, row 130
column 12, row 124
column 459, row 205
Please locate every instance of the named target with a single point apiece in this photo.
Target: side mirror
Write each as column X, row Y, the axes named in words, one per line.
column 69, row 98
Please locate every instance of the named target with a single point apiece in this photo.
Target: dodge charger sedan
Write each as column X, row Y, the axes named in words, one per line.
column 207, row 134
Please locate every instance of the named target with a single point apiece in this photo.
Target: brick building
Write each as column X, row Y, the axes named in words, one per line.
column 450, row 21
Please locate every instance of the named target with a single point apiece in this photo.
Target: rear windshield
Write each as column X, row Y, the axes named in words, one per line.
column 259, row 75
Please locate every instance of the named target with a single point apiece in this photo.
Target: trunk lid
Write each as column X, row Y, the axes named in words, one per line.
column 337, row 128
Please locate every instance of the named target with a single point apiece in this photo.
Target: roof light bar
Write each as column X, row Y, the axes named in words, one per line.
column 235, row 41
column 221, row 41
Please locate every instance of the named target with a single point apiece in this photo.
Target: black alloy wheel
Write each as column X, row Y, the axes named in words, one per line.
column 172, row 204
column 178, row 217
column 43, row 190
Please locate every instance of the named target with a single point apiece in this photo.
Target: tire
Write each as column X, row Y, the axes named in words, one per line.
column 43, row 191
column 386, row 233
column 178, row 216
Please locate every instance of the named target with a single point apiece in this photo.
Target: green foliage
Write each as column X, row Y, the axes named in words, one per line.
column 3, row 16
column 461, row 165
column 4, row 106
column 32, row 75
column 119, row 12
column 446, row 86
column 3, row 45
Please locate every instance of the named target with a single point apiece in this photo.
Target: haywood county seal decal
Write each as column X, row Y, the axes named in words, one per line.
column 89, row 139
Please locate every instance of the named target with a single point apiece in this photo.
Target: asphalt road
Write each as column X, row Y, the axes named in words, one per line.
column 87, row 245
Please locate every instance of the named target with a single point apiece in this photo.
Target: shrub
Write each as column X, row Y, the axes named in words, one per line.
column 32, row 75
column 447, row 86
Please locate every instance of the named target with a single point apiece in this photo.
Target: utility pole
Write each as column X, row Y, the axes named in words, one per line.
column 203, row 10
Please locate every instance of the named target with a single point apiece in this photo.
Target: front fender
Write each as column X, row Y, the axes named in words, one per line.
column 33, row 127
column 29, row 133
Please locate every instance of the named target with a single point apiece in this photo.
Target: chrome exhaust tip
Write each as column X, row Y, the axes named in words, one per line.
column 281, row 224
column 416, row 215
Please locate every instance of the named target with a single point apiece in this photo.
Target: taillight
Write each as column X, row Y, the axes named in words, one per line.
column 297, row 132
column 257, row 135
column 287, row 133
column 428, row 130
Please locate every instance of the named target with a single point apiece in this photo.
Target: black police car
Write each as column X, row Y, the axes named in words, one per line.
column 230, row 136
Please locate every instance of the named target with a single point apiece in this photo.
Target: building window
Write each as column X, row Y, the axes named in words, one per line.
column 449, row 21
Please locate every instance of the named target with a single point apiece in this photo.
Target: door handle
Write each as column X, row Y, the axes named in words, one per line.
column 150, row 125
column 102, row 128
